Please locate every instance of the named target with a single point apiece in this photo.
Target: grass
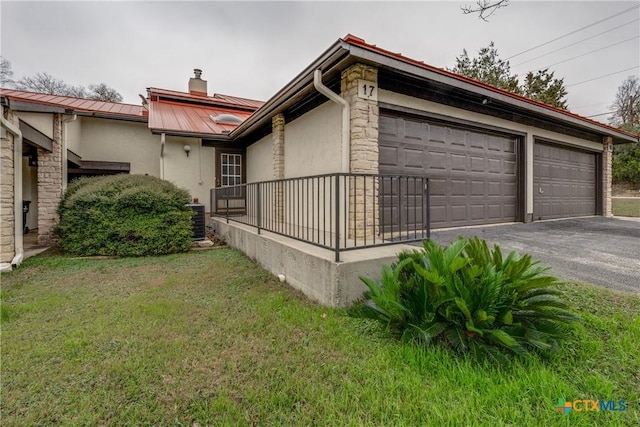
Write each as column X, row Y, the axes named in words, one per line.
column 626, row 207
column 209, row 338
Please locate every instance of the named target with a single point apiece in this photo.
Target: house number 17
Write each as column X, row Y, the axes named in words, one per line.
column 367, row 90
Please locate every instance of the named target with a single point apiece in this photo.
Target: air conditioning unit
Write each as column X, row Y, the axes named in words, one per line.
column 198, row 221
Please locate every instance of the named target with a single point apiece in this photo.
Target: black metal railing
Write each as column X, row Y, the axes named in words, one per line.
column 339, row 211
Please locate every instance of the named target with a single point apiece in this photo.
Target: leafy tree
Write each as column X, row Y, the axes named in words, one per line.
column 485, row 8
column 46, row 83
column 487, row 67
column 6, row 73
column 543, row 87
column 102, row 92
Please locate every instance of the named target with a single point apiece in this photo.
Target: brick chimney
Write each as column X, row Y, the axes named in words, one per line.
column 197, row 86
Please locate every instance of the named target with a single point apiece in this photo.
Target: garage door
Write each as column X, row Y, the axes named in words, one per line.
column 564, row 182
column 472, row 173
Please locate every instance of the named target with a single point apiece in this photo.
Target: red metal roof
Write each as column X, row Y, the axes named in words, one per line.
column 175, row 116
column 216, row 98
column 76, row 104
column 357, row 41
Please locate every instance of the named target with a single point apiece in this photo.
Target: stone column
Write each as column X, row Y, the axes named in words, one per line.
column 50, row 185
column 7, row 213
column 607, row 160
column 277, row 151
column 363, row 150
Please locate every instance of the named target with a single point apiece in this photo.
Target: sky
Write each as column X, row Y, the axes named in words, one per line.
column 253, row 49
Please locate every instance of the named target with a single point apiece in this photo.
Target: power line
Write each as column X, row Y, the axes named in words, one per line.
column 575, row 43
column 573, row 32
column 602, row 114
column 590, row 52
column 601, row 77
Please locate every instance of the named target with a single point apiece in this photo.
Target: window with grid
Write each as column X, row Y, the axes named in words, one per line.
column 231, row 173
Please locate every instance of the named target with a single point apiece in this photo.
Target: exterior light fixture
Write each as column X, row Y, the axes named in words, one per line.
column 187, row 149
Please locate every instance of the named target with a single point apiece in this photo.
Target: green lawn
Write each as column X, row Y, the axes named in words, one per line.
column 626, row 207
column 209, row 338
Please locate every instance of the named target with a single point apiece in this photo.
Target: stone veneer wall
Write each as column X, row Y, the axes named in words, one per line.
column 50, row 185
column 363, row 152
column 277, row 150
column 7, row 213
column 607, row 159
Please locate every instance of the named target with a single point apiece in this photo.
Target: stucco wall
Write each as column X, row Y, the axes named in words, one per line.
column 531, row 132
column 312, row 142
column 260, row 160
column 121, row 141
column 195, row 173
column 30, row 192
column 73, row 133
column 41, row 121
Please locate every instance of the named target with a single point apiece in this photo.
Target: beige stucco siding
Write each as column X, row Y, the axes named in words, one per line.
column 73, row 132
column 30, row 192
column 194, row 173
column 312, row 142
column 121, row 141
column 531, row 132
column 40, row 121
column 260, row 160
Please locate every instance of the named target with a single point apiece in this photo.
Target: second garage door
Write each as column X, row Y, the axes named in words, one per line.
column 472, row 173
column 564, row 182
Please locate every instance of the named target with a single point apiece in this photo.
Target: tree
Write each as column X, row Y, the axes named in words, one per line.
column 626, row 106
column 487, row 67
column 485, row 8
column 543, row 87
column 6, row 73
column 102, row 92
column 626, row 116
column 46, row 83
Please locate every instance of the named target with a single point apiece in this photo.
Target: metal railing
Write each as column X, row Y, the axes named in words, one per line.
column 339, row 211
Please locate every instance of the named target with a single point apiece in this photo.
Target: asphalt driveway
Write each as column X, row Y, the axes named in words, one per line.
column 602, row 251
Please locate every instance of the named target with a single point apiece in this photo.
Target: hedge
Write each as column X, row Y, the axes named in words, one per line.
column 124, row 215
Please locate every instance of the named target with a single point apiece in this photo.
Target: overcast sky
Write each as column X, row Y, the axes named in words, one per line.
column 252, row 49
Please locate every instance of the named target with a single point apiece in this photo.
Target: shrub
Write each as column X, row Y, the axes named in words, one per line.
column 626, row 163
column 470, row 298
column 124, row 215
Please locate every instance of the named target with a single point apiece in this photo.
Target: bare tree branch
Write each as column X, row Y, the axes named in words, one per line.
column 485, row 8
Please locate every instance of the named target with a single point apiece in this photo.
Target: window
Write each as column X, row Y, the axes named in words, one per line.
column 231, row 173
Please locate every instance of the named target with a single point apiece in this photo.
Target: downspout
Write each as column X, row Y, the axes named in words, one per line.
column 17, row 188
column 346, row 116
column 64, row 151
column 162, row 142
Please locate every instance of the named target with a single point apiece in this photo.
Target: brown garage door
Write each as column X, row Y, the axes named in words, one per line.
column 564, row 182
column 472, row 173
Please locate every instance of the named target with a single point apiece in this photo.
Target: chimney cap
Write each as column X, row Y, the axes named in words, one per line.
column 197, row 72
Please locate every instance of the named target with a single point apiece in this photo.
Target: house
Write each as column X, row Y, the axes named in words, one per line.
column 59, row 138
column 366, row 147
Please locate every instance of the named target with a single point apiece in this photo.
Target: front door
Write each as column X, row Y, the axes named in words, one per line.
column 230, row 174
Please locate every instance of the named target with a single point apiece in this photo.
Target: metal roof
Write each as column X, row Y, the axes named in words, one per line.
column 217, row 98
column 76, row 104
column 180, row 118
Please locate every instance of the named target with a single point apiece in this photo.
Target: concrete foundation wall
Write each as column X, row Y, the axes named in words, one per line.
column 313, row 141
column 260, row 160
column 308, row 268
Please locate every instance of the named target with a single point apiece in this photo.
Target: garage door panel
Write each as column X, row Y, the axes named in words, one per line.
column 564, row 181
column 472, row 173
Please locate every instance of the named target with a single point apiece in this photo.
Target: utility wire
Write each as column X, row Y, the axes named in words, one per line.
column 590, row 52
column 573, row 32
column 601, row 77
column 602, row 114
column 575, row 43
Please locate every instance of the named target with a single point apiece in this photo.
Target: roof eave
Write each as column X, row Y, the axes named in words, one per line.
column 300, row 82
column 370, row 56
column 211, row 136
